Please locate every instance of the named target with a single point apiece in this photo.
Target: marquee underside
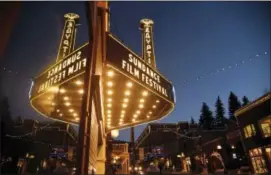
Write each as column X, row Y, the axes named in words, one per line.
column 128, row 103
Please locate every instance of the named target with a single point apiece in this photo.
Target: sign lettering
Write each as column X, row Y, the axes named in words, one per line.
column 67, row 40
column 72, row 65
column 133, row 66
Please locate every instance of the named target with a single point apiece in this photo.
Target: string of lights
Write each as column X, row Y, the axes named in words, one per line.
column 226, row 68
column 30, row 133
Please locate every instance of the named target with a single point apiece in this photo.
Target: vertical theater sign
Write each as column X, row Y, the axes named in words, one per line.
column 128, row 90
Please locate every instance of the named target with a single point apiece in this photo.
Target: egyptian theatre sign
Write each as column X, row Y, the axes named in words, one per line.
column 133, row 93
column 57, row 92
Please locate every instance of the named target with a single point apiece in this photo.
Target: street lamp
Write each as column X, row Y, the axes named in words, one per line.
column 115, row 133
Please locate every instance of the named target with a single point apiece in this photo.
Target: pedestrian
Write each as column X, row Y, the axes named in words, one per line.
column 60, row 169
column 160, row 166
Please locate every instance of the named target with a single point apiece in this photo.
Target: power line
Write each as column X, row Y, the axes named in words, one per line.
column 223, row 69
column 30, row 133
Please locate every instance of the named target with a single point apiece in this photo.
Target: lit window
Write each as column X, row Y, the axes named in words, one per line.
column 266, row 127
column 257, row 160
column 249, row 131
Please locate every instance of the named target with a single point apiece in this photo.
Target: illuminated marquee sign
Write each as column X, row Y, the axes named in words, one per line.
column 133, row 66
column 148, row 49
column 67, row 68
column 68, row 36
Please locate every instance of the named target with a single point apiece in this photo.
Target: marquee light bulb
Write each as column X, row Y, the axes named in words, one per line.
column 62, row 91
column 78, row 82
column 124, row 105
column 109, row 111
column 135, row 115
column 150, row 112
column 109, row 92
column 154, row 106
column 75, row 115
column 126, row 100
column 57, row 110
column 148, row 116
column 81, row 91
column 141, row 100
column 129, row 84
column 120, row 123
column 109, row 105
column 66, row 98
column 109, row 99
column 77, row 118
column 67, row 103
column 60, row 114
column 53, row 104
column 54, row 89
column 138, row 112
column 127, row 93
column 141, row 106
column 122, row 111
column 71, row 110
column 134, row 120
column 110, row 84
column 157, row 101
column 110, row 73
column 145, row 93
column 121, row 115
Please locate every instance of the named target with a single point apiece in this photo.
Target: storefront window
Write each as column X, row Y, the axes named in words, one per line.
column 249, row 131
column 257, row 160
column 266, row 127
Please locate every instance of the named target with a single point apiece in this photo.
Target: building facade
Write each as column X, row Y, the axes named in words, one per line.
column 190, row 148
column 254, row 120
column 56, row 140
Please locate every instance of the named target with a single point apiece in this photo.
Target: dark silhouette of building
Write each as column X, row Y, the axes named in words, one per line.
column 190, row 148
column 35, row 145
column 254, row 120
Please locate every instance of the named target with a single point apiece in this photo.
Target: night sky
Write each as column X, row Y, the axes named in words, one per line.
column 191, row 39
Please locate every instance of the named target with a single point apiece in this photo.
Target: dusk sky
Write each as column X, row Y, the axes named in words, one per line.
column 192, row 39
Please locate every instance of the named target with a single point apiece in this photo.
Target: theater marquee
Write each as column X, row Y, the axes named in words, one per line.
column 134, row 92
column 123, row 59
column 56, row 93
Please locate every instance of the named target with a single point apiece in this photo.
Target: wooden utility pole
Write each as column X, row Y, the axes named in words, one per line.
column 83, row 147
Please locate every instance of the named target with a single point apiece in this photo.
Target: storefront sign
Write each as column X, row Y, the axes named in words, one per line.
column 69, row 67
column 123, row 59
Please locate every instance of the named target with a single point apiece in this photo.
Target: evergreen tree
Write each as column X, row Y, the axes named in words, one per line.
column 206, row 117
column 245, row 101
column 234, row 104
column 219, row 112
column 192, row 121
